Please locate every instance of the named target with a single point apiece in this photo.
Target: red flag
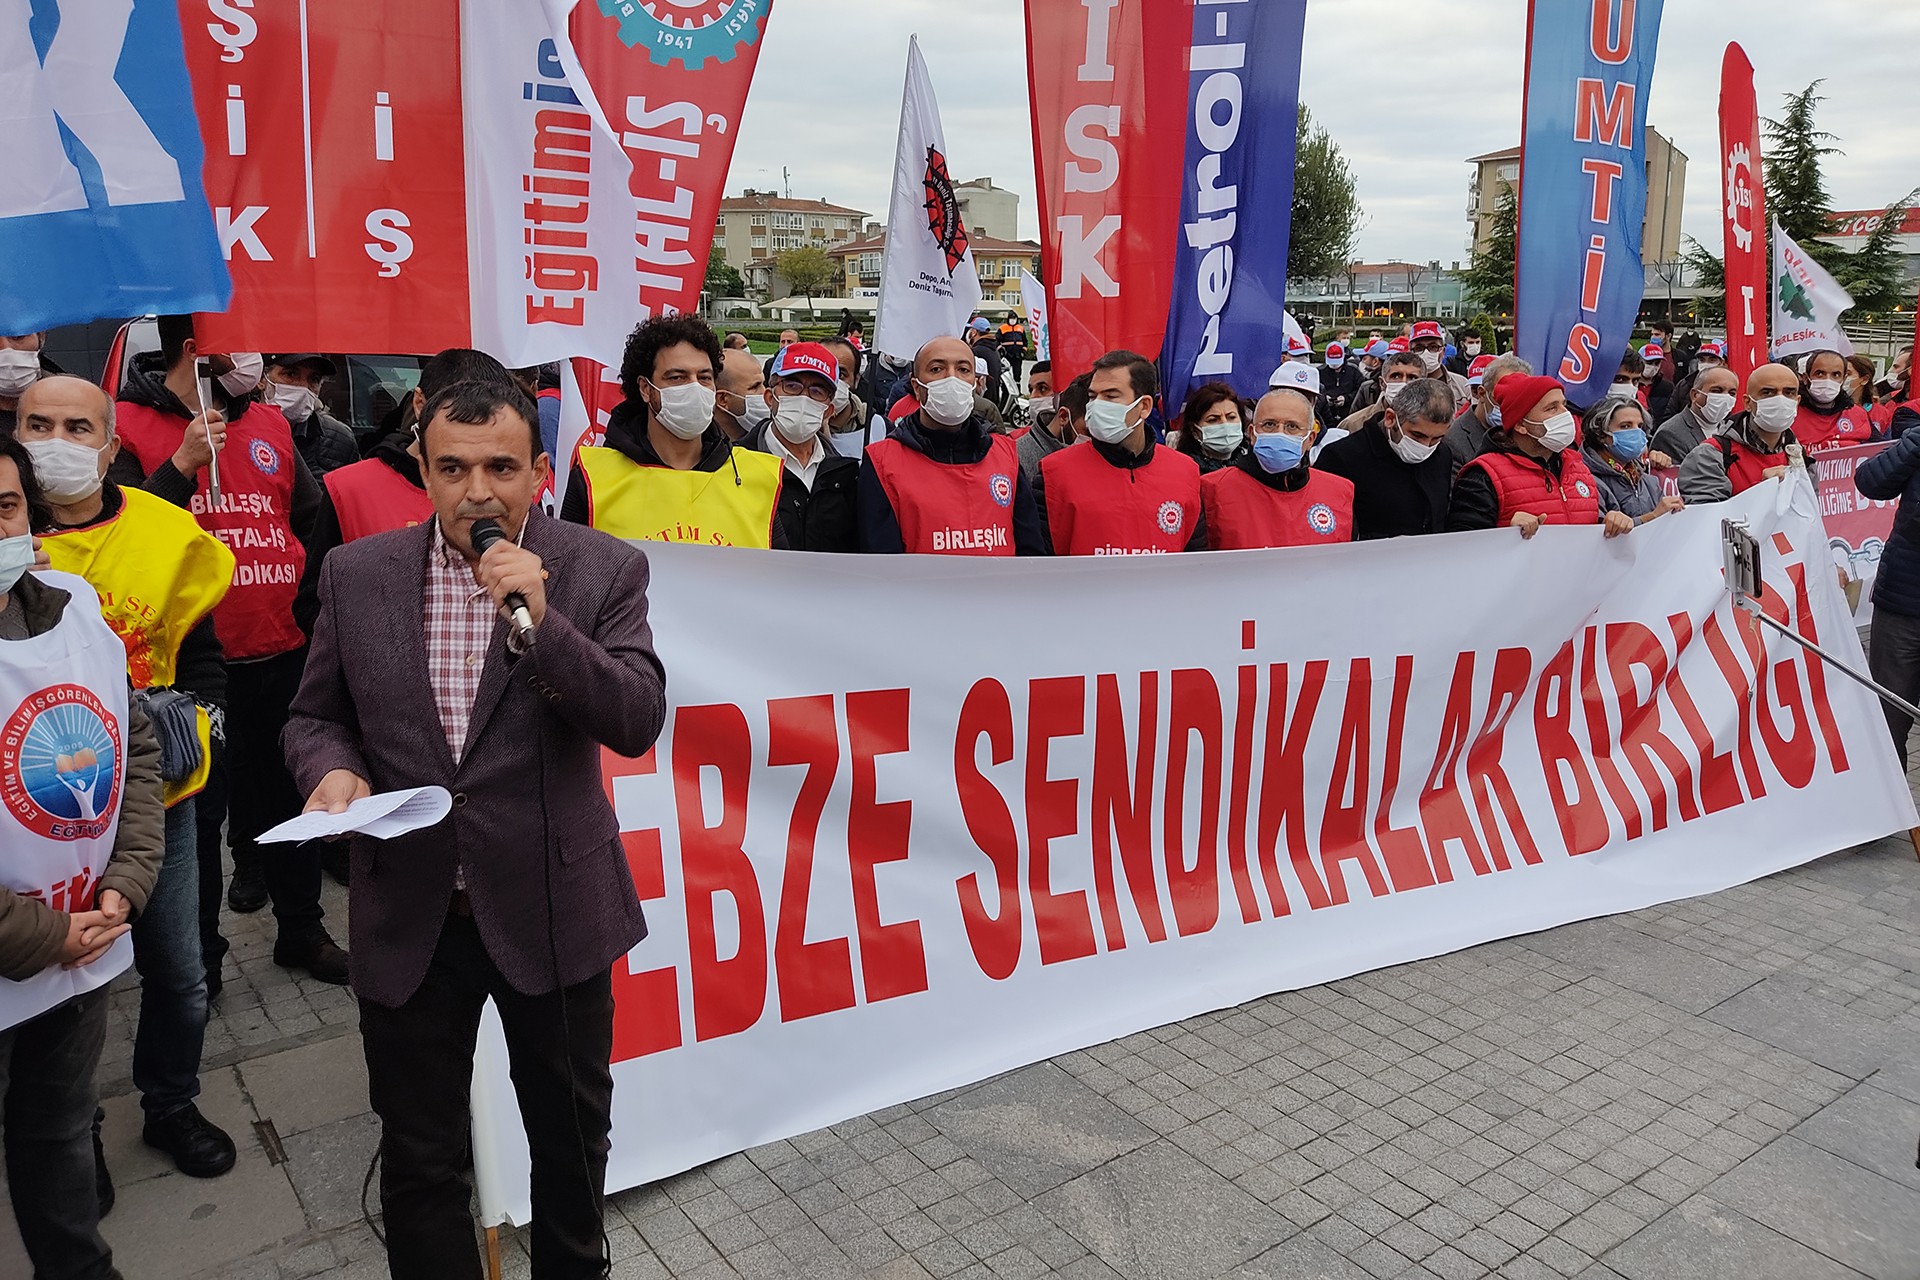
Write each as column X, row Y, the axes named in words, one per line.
column 1108, row 90
column 1745, row 214
column 336, row 170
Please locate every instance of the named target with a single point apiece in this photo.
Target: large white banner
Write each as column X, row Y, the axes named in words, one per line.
column 1223, row 775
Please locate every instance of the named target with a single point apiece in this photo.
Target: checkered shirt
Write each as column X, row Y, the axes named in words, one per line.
column 459, row 623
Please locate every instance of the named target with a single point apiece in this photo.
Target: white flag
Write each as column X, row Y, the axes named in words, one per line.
column 1807, row 302
column 928, row 287
column 1033, row 301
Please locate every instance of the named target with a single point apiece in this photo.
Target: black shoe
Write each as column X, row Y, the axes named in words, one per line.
column 200, row 1148
column 333, row 860
column 102, row 1180
column 215, row 983
column 323, row 961
column 248, row 892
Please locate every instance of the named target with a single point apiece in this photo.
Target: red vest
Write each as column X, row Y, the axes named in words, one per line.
column 1819, row 431
column 370, row 497
column 963, row 509
column 254, row 519
column 1746, row 466
column 1097, row 509
column 1524, row 485
column 1243, row 513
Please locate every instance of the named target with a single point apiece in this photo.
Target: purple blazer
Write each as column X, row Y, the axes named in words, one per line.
column 529, row 805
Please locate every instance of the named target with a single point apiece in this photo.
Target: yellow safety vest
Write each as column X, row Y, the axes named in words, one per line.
column 732, row 507
column 158, row 573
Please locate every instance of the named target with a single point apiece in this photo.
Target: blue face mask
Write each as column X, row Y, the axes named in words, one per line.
column 1628, row 445
column 1277, row 452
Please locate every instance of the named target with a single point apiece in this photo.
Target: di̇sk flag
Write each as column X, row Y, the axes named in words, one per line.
column 1744, row 216
column 1807, row 302
column 405, row 178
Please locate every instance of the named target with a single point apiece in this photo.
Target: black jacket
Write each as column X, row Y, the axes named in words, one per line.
column 1892, row 473
column 962, row 445
column 146, row 385
column 325, row 442
column 821, row 518
column 1466, row 439
column 1391, row 498
column 627, row 433
column 1339, row 389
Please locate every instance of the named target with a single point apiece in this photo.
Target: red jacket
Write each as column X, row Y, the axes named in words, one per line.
column 1244, row 512
column 1095, row 508
column 1523, row 484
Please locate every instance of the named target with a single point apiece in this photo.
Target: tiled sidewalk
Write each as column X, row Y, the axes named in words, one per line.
column 1728, row 1086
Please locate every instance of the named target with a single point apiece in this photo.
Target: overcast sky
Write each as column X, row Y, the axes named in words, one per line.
column 1409, row 89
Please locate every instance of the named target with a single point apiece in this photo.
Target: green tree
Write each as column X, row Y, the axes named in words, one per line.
column 1795, row 154
column 1876, row 273
column 722, row 280
column 1709, row 275
column 807, row 271
column 1326, row 212
column 1489, row 276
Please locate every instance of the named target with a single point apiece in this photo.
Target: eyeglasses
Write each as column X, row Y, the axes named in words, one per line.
column 811, row 390
column 1271, row 426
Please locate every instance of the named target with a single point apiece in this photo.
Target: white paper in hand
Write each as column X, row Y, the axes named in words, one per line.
column 389, row 814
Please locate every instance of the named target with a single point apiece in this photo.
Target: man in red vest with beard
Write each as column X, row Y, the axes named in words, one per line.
column 1117, row 493
column 265, row 516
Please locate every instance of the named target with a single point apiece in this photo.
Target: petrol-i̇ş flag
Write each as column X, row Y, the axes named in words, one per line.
column 522, row 177
column 1583, row 187
column 1744, row 213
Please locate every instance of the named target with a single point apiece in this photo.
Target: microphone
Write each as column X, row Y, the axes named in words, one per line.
column 486, row 531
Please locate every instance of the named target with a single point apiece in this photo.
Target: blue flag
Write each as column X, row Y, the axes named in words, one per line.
column 102, row 213
column 1224, row 321
column 1583, row 188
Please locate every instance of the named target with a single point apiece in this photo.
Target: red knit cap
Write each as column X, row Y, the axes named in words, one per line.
column 1517, row 394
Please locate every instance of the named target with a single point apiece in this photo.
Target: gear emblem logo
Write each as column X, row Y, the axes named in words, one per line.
column 943, row 210
column 1740, row 195
column 1321, row 520
column 688, row 32
column 1171, row 518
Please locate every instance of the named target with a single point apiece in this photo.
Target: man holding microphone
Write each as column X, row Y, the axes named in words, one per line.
column 416, row 678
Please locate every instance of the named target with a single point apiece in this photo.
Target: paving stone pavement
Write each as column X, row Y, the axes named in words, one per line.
column 1722, row 1087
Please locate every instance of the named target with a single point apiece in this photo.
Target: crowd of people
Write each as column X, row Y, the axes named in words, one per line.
column 228, row 530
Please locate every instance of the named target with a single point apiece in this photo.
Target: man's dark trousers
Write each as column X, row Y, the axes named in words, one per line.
column 419, row 1069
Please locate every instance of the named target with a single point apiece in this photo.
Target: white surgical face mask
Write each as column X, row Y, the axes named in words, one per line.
column 842, row 397
column 1823, row 390
column 1221, row 438
column 293, row 400
column 753, row 411
column 16, row 557
column 1719, row 405
column 948, row 401
column 1409, row 450
column 1039, row 405
column 686, row 409
column 1390, row 391
column 1430, row 360
column 799, row 418
column 1775, row 414
column 1473, row 348
column 18, row 369
column 66, row 470
column 245, row 374
column 1560, row 432
column 1107, row 420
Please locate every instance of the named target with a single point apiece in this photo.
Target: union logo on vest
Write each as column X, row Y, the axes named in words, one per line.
column 60, row 764
column 264, row 456
column 1171, row 517
column 1001, row 487
column 1320, row 518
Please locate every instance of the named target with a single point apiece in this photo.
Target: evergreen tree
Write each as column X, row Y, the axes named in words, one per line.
column 1796, row 188
column 1326, row 212
column 1710, row 279
column 1489, row 277
column 1876, row 273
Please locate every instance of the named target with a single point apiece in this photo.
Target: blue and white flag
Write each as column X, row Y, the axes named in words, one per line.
column 1225, row 319
column 1583, row 187
column 102, row 212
